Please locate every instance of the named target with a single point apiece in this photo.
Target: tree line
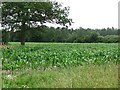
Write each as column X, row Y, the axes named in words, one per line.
column 51, row 34
column 24, row 21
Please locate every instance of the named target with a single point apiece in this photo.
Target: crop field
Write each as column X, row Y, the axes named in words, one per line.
column 39, row 62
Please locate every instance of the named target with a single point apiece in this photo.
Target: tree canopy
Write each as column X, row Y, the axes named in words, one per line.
column 25, row 15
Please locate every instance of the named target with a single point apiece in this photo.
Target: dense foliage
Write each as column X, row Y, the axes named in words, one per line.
column 58, row 55
column 24, row 15
column 51, row 34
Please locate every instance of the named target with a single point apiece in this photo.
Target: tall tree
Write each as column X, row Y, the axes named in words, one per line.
column 25, row 15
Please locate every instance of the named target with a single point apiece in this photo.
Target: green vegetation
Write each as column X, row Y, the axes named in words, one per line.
column 25, row 21
column 22, row 16
column 79, row 61
column 87, row 76
column 54, row 65
column 58, row 55
column 51, row 34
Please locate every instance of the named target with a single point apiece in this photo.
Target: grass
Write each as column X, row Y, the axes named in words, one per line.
column 88, row 76
column 76, row 65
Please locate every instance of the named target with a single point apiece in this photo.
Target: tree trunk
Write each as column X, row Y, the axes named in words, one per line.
column 22, row 38
column 22, row 34
column 5, row 37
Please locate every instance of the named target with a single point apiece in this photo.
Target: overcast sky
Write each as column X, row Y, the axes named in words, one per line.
column 93, row 13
